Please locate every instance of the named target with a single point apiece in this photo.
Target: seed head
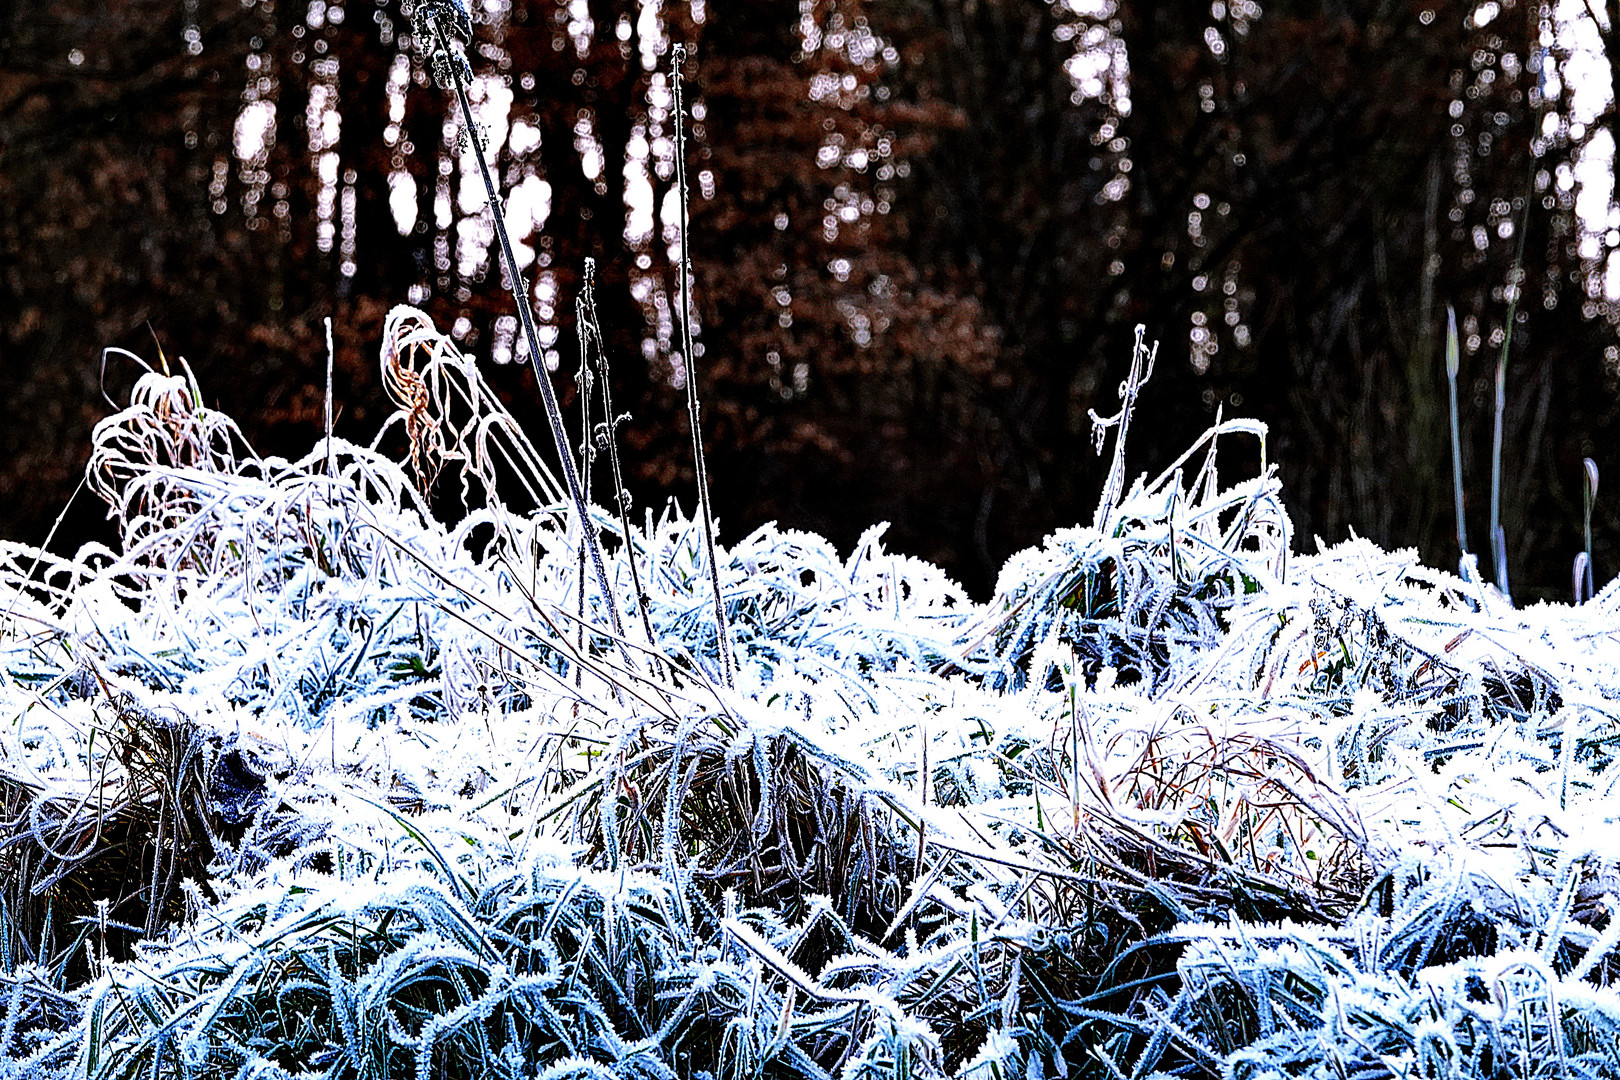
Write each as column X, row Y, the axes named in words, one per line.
column 441, row 28
column 448, row 17
column 1451, row 343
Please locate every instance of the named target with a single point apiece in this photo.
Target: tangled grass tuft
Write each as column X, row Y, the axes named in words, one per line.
column 304, row 780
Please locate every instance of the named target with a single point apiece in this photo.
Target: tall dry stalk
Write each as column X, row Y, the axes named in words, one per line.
column 446, row 24
column 727, row 663
column 1453, row 365
column 607, row 436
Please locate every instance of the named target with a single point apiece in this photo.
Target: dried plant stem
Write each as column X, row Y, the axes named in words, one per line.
column 589, row 541
column 330, row 352
column 1589, row 494
column 1142, row 359
column 590, row 329
column 585, row 456
column 1515, row 286
column 727, row 664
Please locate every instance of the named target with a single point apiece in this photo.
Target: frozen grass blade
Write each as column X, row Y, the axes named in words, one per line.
column 1498, row 536
column 1585, row 571
column 1452, row 365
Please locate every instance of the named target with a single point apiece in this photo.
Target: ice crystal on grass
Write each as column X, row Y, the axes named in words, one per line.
column 325, row 770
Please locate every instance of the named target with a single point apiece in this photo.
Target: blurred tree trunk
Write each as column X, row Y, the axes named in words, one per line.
column 1287, row 200
column 923, row 232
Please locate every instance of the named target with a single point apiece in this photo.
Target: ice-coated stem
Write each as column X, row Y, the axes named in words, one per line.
column 1589, row 490
column 1142, row 359
column 1498, row 535
column 590, row 329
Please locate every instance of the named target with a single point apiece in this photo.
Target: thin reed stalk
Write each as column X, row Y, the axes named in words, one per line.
column 590, row 330
column 1498, row 536
column 331, row 352
column 583, row 382
column 443, row 24
column 727, row 664
column 1515, row 286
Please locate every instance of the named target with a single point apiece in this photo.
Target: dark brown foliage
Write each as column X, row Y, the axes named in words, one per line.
column 1286, row 200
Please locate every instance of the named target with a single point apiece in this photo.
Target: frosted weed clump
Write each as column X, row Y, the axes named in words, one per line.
column 314, row 776
column 1018, row 813
column 1176, row 798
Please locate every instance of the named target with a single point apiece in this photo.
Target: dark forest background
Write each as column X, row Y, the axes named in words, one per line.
column 923, row 233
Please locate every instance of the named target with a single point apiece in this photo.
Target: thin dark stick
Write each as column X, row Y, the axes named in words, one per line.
column 590, row 327
column 583, row 383
column 726, row 663
column 1453, row 360
column 587, row 527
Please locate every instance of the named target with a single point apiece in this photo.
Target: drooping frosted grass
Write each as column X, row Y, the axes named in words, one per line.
column 1301, row 1002
column 1151, row 593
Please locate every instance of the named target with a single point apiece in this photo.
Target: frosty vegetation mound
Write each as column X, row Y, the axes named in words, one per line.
column 305, row 780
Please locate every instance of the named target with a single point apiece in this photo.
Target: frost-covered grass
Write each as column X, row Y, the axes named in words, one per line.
column 308, row 779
